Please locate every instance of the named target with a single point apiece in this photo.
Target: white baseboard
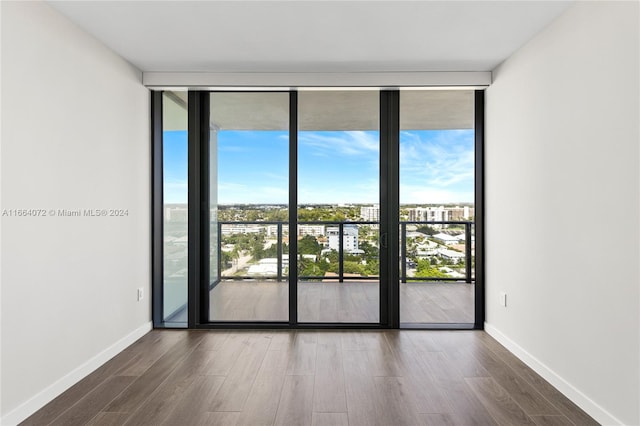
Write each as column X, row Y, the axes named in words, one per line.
column 45, row 396
column 601, row 415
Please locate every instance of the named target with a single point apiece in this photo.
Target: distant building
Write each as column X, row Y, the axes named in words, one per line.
column 349, row 238
column 370, row 213
column 449, row 239
column 314, row 230
column 175, row 214
column 440, row 214
column 241, row 228
column 454, row 256
column 268, row 267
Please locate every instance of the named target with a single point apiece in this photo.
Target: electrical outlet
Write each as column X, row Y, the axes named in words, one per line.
column 503, row 299
column 140, row 294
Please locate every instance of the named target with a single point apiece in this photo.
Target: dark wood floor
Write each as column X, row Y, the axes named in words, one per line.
column 350, row 301
column 399, row 377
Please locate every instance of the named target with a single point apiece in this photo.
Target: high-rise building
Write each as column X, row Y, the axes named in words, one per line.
column 349, row 238
column 440, row 214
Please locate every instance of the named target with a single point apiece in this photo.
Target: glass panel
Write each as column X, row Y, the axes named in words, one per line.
column 249, row 181
column 338, row 210
column 174, row 139
column 436, row 206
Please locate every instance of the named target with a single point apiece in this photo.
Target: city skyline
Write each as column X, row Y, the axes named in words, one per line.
column 334, row 167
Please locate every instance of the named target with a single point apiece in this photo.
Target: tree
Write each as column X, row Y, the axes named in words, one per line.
column 372, row 267
column 426, row 229
column 353, row 268
column 371, row 252
column 426, row 270
column 308, row 245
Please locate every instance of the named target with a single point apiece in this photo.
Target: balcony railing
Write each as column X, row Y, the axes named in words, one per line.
column 278, row 228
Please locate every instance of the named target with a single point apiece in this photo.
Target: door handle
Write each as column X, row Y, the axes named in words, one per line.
column 383, row 240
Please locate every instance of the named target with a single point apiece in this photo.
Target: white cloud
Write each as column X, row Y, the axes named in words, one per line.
column 350, row 143
column 444, row 160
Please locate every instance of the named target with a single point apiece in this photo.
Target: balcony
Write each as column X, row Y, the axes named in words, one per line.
column 436, row 272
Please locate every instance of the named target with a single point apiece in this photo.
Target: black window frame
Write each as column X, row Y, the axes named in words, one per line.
column 198, row 218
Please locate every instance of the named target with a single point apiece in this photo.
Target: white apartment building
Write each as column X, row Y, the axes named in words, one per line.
column 241, row 228
column 315, row 230
column 370, row 213
column 349, row 238
column 440, row 214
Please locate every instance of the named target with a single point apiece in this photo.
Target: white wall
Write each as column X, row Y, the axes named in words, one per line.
column 562, row 200
column 75, row 135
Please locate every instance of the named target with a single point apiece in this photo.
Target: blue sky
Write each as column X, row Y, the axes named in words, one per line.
column 436, row 166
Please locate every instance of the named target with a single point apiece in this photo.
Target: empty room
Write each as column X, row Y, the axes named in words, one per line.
column 320, row 212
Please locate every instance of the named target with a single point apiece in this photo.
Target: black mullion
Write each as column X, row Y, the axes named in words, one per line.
column 157, row 214
column 389, row 208
column 293, row 208
column 205, row 210
column 479, row 209
column 194, row 208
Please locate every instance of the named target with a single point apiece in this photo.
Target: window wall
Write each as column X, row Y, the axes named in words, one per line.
column 174, row 208
column 320, row 208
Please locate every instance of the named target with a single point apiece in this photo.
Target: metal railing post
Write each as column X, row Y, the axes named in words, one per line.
column 467, row 250
column 279, row 251
column 219, row 250
column 340, row 252
column 403, row 252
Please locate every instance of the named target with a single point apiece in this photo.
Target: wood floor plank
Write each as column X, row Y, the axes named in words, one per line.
column 148, row 343
column 89, row 406
column 404, row 361
column 437, row 419
column 360, row 389
column 108, row 419
column 423, row 340
column 551, row 394
column 261, row 406
column 551, row 421
column 329, row 391
column 498, row 402
column 531, row 401
column 193, row 406
column 460, row 347
column 214, row 340
column 355, row 377
column 392, row 406
column 235, row 389
column 362, row 340
column 147, row 352
column 225, row 357
column 281, row 340
column 296, row 401
column 221, row 418
column 168, row 395
column 144, row 385
column 329, row 419
column 423, row 391
column 302, row 361
column 461, row 403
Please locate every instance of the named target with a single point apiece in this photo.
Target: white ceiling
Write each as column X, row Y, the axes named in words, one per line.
column 313, row 36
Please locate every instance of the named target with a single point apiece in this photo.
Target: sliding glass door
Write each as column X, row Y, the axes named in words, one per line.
column 338, row 206
column 437, row 207
column 248, row 205
column 318, row 208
